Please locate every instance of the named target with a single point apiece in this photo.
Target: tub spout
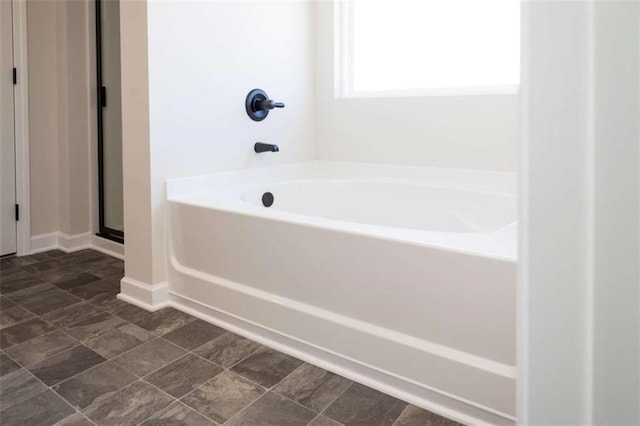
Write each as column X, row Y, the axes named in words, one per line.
column 265, row 147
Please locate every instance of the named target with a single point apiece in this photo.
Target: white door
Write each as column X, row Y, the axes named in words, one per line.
column 7, row 135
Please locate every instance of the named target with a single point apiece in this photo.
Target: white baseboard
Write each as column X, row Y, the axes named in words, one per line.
column 109, row 247
column 44, row 242
column 437, row 402
column 143, row 295
column 71, row 243
column 60, row 241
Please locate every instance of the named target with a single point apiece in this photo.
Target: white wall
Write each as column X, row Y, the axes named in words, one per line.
column 579, row 292
column 203, row 59
column 473, row 132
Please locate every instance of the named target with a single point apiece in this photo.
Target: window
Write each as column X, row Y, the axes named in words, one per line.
column 421, row 47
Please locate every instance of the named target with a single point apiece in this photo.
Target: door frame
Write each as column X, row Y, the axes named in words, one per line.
column 21, row 108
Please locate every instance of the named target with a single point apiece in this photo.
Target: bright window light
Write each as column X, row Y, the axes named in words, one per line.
column 422, row 46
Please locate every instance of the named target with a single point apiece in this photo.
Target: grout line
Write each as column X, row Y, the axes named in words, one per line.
column 44, row 335
column 245, row 408
column 337, row 398
column 314, row 419
column 400, row 415
column 47, row 388
column 19, row 322
column 67, row 306
column 175, row 400
column 138, row 380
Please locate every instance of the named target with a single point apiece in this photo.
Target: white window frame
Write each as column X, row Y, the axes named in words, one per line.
column 343, row 67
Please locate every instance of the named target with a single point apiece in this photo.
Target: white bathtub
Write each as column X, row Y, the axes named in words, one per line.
column 400, row 278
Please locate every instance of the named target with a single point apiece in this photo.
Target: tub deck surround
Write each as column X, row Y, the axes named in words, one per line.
column 104, row 362
column 415, row 297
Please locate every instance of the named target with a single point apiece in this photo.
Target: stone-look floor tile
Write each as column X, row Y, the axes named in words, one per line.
column 86, row 258
column 72, row 314
column 324, row 421
column 224, row 396
column 32, row 293
column 104, row 270
column 228, row 349
column 7, row 365
column 129, row 406
column 51, row 302
column 67, row 278
column 51, row 254
column 183, row 375
column 12, row 316
column 22, row 332
column 120, row 340
column 94, row 326
column 45, row 265
column 267, row 367
column 94, row 385
column 42, row 256
column 17, row 387
column 149, row 357
column 41, row 348
column 164, row 321
column 18, row 262
column 312, row 387
column 130, row 312
column 194, row 334
column 360, row 405
column 6, row 303
column 16, row 284
column 414, row 416
column 273, row 410
column 107, row 301
column 77, row 419
column 44, row 409
column 91, row 290
column 7, row 274
column 56, row 273
column 177, row 414
column 65, row 365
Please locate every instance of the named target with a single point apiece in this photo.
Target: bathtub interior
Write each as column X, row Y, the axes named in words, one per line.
column 388, row 203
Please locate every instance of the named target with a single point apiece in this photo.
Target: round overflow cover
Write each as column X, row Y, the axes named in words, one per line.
column 267, row 199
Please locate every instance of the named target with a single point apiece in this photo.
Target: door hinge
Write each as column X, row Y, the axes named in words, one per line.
column 15, row 76
column 17, row 212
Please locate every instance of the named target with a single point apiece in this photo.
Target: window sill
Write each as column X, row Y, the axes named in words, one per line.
column 447, row 91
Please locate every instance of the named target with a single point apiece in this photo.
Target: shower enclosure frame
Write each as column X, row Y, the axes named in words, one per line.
column 103, row 230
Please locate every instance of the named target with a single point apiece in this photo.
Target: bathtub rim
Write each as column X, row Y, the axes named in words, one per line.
column 358, row 229
column 498, row 183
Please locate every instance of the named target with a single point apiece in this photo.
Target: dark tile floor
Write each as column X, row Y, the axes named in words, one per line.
column 72, row 354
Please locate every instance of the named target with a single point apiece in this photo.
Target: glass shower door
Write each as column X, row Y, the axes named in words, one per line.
column 109, row 120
